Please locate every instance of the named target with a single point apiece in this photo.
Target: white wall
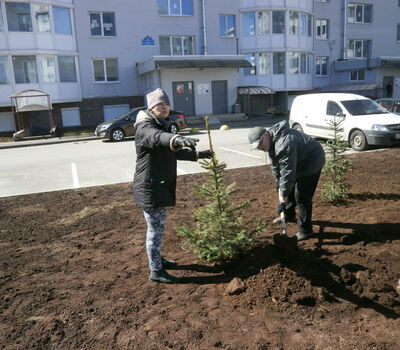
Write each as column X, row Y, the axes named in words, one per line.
column 203, row 102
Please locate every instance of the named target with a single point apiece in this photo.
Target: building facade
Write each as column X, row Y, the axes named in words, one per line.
column 97, row 59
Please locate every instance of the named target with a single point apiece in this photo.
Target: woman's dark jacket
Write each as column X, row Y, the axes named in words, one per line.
column 154, row 182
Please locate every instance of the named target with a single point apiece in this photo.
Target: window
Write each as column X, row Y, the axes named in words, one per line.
column 25, row 70
column 309, row 25
column 293, row 22
column 293, row 62
column 42, row 17
column 252, row 59
column 48, row 68
column 264, row 63
column 227, row 25
column 321, row 65
column 358, row 48
column 102, row 24
column 357, row 75
column 4, row 70
column 360, row 13
column 66, row 68
column 1, row 21
column 303, row 24
column 332, row 108
column 105, row 69
column 62, row 20
column 278, row 22
column 398, row 31
column 303, row 63
column 263, row 22
column 177, row 45
column 175, row 7
column 322, row 29
column 278, row 63
column 18, row 17
column 249, row 23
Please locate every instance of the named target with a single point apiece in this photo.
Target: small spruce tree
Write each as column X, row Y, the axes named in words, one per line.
column 335, row 188
column 221, row 233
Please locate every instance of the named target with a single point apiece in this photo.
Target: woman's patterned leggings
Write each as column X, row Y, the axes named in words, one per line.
column 156, row 219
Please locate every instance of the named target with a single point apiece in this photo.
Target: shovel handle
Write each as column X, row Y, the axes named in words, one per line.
column 283, row 224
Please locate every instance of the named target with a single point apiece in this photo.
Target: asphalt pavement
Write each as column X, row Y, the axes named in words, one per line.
column 41, row 141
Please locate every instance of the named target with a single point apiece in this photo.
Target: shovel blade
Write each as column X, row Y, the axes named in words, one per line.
column 286, row 242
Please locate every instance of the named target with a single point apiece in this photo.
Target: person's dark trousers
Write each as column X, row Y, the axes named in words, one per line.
column 301, row 196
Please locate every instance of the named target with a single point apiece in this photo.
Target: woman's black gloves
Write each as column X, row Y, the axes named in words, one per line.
column 205, row 154
column 186, row 142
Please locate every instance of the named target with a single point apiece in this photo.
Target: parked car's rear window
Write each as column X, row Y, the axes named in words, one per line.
column 360, row 107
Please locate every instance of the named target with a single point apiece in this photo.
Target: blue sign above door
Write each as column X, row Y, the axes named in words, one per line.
column 147, row 41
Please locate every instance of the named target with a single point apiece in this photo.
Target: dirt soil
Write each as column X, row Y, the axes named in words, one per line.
column 74, row 275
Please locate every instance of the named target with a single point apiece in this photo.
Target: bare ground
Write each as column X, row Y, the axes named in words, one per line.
column 73, row 272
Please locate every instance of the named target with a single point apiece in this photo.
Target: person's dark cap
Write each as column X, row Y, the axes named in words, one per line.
column 255, row 136
column 155, row 97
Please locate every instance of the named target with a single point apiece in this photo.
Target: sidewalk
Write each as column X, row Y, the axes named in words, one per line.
column 254, row 121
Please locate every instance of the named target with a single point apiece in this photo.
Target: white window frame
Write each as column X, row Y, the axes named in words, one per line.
column 101, row 25
column 319, row 25
column 264, row 69
column 226, row 26
column 105, row 81
column 317, row 58
column 362, row 6
column 176, row 14
column 357, row 73
column 182, row 43
column 353, row 54
column 253, row 61
column 398, row 32
column 294, row 18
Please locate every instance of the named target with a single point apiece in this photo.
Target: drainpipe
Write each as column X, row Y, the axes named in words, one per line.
column 204, row 29
column 344, row 54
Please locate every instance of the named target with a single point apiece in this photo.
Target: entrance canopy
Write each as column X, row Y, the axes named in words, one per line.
column 393, row 61
column 194, row 61
column 30, row 100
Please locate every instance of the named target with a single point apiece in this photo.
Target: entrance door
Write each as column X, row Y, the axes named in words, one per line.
column 183, row 95
column 219, row 96
column 40, row 122
column 388, row 86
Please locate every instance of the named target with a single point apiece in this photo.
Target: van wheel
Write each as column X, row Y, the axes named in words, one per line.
column 358, row 141
column 117, row 135
column 297, row 127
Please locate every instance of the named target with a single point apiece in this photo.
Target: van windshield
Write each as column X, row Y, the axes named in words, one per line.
column 360, row 107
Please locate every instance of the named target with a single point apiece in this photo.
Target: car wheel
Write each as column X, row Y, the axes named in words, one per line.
column 358, row 141
column 174, row 128
column 297, row 127
column 117, row 135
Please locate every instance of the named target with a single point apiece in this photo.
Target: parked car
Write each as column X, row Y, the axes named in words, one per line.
column 123, row 126
column 364, row 123
column 390, row 103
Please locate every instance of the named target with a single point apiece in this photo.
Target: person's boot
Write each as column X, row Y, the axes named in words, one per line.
column 301, row 236
column 168, row 264
column 162, row 276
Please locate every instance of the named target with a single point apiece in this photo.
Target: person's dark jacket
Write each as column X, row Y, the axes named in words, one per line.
column 293, row 155
column 154, row 182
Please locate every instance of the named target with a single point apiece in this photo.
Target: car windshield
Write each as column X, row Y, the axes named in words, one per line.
column 360, row 107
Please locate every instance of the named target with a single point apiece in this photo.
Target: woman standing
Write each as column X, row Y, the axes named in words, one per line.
column 154, row 183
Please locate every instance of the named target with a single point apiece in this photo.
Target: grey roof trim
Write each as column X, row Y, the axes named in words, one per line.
column 350, row 87
column 202, row 63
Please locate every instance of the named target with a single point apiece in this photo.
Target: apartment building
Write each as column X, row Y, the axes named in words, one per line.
column 38, row 53
column 96, row 59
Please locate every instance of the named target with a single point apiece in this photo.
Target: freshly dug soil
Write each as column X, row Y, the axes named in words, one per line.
column 74, row 275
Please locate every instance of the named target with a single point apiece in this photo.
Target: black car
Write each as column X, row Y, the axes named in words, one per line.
column 123, row 126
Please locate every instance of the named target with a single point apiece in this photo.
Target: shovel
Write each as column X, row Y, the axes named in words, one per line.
column 282, row 240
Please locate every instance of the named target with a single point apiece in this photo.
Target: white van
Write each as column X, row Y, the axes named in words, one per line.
column 364, row 121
